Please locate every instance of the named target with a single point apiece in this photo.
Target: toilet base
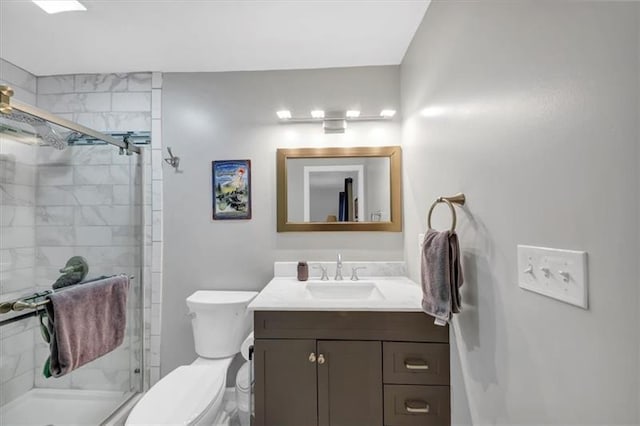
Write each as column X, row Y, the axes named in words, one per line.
column 222, row 419
column 191, row 394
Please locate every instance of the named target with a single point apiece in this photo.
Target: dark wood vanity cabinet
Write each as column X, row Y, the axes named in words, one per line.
column 287, row 384
column 324, row 382
column 350, row 369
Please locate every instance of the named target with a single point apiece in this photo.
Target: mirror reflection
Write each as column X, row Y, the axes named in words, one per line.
column 349, row 189
column 339, row 189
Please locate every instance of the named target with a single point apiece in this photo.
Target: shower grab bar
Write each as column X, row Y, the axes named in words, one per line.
column 21, row 303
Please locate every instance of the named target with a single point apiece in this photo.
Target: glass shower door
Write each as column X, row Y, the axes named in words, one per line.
column 81, row 201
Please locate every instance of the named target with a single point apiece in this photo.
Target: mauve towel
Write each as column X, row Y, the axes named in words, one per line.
column 441, row 275
column 86, row 322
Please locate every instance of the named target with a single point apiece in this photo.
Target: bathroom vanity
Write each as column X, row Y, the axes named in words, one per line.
column 351, row 353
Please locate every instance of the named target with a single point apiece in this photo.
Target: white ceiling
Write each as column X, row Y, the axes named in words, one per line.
column 207, row 35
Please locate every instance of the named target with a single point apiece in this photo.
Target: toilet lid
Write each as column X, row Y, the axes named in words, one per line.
column 180, row 397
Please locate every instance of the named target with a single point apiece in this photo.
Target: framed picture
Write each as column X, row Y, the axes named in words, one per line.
column 231, row 189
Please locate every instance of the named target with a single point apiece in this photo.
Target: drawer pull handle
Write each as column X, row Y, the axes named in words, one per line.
column 416, row 364
column 416, row 407
column 312, row 357
column 320, row 359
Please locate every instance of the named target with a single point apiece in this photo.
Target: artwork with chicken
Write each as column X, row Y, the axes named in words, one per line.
column 231, row 189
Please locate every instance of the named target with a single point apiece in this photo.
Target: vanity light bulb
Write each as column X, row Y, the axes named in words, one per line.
column 285, row 114
column 387, row 113
column 317, row 113
column 354, row 113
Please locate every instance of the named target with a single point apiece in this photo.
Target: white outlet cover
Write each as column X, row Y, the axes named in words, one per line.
column 555, row 273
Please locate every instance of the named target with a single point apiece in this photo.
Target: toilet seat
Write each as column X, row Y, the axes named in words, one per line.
column 182, row 397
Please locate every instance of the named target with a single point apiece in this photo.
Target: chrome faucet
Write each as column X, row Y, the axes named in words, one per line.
column 354, row 272
column 323, row 269
column 338, row 276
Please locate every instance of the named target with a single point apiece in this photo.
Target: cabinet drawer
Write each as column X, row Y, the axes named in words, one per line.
column 416, row 363
column 409, row 405
column 348, row 325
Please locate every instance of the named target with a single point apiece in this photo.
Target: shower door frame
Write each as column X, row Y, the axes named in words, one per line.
column 52, row 118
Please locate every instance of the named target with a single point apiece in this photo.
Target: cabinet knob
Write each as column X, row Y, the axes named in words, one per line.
column 312, row 357
column 320, row 359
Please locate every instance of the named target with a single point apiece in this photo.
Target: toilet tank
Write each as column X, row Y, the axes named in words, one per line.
column 220, row 321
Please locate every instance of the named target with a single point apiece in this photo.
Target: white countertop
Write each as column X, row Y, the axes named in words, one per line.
column 289, row 294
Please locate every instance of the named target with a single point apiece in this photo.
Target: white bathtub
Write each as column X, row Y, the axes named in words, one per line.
column 58, row 407
column 44, row 407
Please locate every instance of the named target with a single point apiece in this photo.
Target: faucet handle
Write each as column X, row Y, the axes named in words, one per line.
column 354, row 272
column 323, row 269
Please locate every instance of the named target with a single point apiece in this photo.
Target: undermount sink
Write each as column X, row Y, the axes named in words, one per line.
column 344, row 290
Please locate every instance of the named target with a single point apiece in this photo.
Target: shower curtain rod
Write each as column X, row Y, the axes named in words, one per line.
column 7, row 105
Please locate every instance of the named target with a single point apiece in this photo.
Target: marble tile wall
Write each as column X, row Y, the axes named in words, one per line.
column 77, row 214
column 22, row 82
column 83, row 200
column 104, row 102
column 85, row 191
column 17, row 243
column 369, row 269
column 155, row 229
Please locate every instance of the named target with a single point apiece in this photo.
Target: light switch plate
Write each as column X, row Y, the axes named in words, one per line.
column 559, row 274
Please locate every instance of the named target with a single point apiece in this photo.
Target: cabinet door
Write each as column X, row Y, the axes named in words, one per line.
column 285, row 383
column 349, row 383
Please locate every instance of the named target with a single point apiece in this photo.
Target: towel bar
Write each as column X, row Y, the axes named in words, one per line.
column 21, row 303
column 449, row 201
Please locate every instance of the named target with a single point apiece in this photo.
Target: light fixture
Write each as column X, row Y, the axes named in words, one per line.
column 55, row 6
column 334, row 126
column 333, row 121
column 284, row 114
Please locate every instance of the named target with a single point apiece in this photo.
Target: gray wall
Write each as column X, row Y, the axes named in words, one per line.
column 222, row 116
column 532, row 110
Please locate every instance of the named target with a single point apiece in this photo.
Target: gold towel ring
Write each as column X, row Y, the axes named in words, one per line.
column 457, row 199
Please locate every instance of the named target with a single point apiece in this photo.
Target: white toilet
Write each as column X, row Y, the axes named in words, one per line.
column 192, row 394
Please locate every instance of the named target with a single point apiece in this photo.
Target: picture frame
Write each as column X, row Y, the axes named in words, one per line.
column 231, row 189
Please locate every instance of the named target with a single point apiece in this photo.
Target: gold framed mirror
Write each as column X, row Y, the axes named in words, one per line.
column 339, row 189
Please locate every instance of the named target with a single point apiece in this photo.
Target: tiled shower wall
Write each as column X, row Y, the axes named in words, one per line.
column 89, row 203
column 119, row 102
column 89, row 213
column 17, row 243
column 156, row 230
